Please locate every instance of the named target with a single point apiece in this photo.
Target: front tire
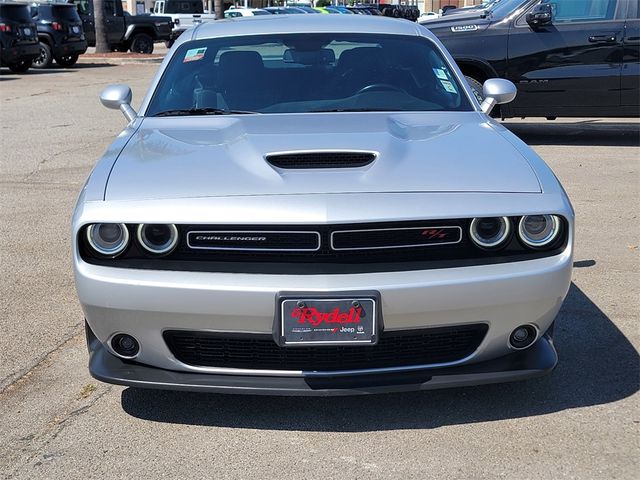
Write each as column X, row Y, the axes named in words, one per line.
column 142, row 43
column 45, row 59
column 67, row 61
column 20, row 67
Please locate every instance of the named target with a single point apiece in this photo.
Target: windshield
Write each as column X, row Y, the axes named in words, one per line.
column 183, row 7
column 505, row 7
column 309, row 73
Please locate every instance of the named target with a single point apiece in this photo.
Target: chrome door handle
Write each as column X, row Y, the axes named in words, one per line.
column 606, row 38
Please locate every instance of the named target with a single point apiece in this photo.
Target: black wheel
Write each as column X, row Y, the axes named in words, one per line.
column 142, row 43
column 67, row 60
column 169, row 43
column 45, row 59
column 476, row 88
column 20, row 67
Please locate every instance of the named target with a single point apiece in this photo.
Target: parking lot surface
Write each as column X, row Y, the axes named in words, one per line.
column 582, row 421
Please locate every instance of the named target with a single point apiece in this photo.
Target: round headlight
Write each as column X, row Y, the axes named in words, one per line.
column 539, row 230
column 109, row 239
column 490, row 232
column 158, row 238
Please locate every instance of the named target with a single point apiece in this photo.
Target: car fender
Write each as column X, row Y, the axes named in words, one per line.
column 133, row 30
column 46, row 38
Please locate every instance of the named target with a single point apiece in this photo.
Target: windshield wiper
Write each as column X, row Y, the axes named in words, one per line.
column 201, row 111
column 353, row 110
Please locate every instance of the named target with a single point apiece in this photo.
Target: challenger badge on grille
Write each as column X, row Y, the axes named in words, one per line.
column 275, row 241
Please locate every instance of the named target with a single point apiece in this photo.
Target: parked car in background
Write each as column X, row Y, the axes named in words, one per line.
column 408, row 12
column 183, row 13
column 19, row 44
column 60, row 34
column 234, row 12
column 340, row 9
column 318, row 206
column 567, row 58
column 283, row 10
column 136, row 33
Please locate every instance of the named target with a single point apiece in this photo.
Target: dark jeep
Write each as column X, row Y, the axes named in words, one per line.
column 125, row 32
column 18, row 37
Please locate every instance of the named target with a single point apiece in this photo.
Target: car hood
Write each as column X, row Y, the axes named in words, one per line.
column 183, row 157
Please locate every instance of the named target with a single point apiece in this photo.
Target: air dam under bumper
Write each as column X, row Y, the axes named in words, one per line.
column 536, row 361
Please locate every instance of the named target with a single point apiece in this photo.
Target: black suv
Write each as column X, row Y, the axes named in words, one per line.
column 125, row 32
column 568, row 58
column 60, row 34
column 18, row 37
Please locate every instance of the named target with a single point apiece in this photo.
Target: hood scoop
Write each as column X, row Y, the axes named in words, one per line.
column 320, row 159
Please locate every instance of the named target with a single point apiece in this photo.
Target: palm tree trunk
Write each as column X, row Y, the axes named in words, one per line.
column 218, row 6
column 102, row 43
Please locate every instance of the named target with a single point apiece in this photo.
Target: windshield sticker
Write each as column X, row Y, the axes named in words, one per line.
column 464, row 28
column 440, row 73
column 194, row 54
column 448, row 86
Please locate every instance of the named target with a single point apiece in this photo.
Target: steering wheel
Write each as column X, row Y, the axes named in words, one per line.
column 380, row 86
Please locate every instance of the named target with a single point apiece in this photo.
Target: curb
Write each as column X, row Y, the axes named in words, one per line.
column 119, row 61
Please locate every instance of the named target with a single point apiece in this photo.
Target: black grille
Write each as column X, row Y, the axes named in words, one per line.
column 321, row 159
column 294, row 259
column 394, row 349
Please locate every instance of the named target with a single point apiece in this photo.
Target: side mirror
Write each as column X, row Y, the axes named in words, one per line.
column 497, row 91
column 540, row 15
column 118, row 97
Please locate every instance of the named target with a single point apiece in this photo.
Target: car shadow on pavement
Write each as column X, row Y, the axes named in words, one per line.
column 597, row 365
column 581, row 133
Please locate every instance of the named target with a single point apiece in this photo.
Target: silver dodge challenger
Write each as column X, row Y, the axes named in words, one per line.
column 318, row 205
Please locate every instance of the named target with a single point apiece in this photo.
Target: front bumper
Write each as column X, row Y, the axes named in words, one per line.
column 534, row 362
column 146, row 303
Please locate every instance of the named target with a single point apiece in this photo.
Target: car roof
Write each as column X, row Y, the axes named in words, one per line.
column 264, row 25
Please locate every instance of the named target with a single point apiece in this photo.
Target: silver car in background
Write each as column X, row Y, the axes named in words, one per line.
column 318, row 205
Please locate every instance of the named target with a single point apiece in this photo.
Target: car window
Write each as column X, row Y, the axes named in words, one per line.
column 18, row 13
column 66, row 12
column 83, row 6
column 583, row 10
column 308, row 73
column 109, row 7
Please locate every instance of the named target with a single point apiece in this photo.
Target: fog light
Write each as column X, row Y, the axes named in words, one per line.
column 523, row 336
column 125, row 345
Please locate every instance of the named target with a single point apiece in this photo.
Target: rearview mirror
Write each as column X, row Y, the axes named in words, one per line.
column 540, row 15
column 118, row 97
column 497, row 91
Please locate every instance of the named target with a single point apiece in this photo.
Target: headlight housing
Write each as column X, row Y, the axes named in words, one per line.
column 537, row 231
column 157, row 238
column 108, row 239
column 490, row 232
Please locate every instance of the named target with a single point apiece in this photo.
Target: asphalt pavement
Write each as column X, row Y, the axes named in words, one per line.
column 582, row 421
